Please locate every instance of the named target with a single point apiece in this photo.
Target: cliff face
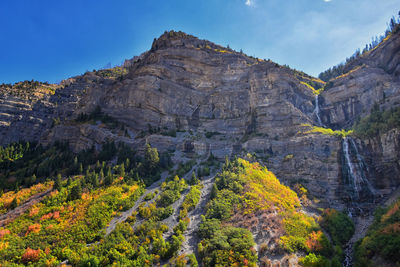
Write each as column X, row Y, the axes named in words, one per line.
column 217, row 101
column 372, row 78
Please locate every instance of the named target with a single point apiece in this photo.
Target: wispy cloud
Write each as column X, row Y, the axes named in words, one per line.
column 327, row 0
column 249, row 2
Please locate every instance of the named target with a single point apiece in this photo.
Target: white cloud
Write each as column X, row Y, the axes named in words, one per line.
column 248, row 2
column 327, row 0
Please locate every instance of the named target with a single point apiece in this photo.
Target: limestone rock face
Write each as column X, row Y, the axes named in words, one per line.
column 215, row 100
column 382, row 154
column 372, row 78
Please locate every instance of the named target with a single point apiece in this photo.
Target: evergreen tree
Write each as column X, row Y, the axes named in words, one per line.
column 194, row 179
column 14, row 203
column 151, row 159
column 33, row 179
column 95, row 180
column 76, row 192
column 108, row 179
column 101, row 174
column 98, row 165
column 122, row 170
column 214, row 191
column 16, row 187
column 80, row 168
column 76, row 165
column 57, row 182
column 88, row 176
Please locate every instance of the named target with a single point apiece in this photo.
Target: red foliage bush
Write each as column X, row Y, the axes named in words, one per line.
column 313, row 241
column 34, row 228
column 31, row 255
column 4, row 232
column 55, row 215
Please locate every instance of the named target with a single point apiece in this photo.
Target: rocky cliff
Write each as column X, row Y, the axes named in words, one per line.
column 193, row 98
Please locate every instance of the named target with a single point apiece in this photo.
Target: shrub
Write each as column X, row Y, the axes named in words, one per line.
column 382, row 238
column 312, row 260
column 339, row 226
column 30, row 255
column 377, row 122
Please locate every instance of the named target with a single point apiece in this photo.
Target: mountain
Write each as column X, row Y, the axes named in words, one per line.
column 195, row 101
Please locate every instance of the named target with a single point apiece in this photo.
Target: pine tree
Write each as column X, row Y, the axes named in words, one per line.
column 80, row 168
column 14, row 203
column 101, row 174
column 57, row 182
column 33, row 179
column 98, row 165
column 214, row 191
column 194, row 179
column 95, row 180
column 76, row 165
column 151, row 159
column 122, row 170
column 76, row 192
column 108, row 179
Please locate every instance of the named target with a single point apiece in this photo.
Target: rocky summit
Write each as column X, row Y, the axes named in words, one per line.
column 194, row 100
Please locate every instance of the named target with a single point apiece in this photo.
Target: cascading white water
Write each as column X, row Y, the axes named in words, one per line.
column 316, row 110
column 356, row 170
column 362, row 167
column 358, row 181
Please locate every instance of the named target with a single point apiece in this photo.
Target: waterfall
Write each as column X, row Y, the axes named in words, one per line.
column 357, row 169
column 316, row 110
column 356, row 179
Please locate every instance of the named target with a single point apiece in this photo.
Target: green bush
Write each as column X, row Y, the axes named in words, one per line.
column 377, row 122
column 339, row 226
column 312, row 260
column 382, row 238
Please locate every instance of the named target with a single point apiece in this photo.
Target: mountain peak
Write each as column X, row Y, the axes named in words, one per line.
column 175, row 39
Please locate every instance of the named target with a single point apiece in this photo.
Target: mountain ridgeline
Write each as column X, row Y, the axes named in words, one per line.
column 167, row 155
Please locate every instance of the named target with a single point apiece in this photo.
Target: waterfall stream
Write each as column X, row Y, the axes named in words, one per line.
column 316, row 110
column 356, row 179
column 357, row 170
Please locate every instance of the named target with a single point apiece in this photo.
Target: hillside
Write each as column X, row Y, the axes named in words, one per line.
column 161, row 160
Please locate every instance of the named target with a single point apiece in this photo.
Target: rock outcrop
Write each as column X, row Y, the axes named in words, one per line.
column 193, row 98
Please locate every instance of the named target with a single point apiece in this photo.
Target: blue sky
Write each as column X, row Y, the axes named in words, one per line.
column 53, row 40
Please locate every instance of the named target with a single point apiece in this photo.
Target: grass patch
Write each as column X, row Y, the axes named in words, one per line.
column 327, row 131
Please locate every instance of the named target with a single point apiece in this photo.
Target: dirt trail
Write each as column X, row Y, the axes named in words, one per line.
column 18, row 211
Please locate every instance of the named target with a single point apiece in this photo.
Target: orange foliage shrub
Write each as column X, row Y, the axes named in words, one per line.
column 31, row 255
column 34, row 228
column 3, row 245
column 23, row 194
column 55, row 215
column 4, row 232
column 392, row 229
column 390, row 212
column 313, row 241
column 34, row 211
